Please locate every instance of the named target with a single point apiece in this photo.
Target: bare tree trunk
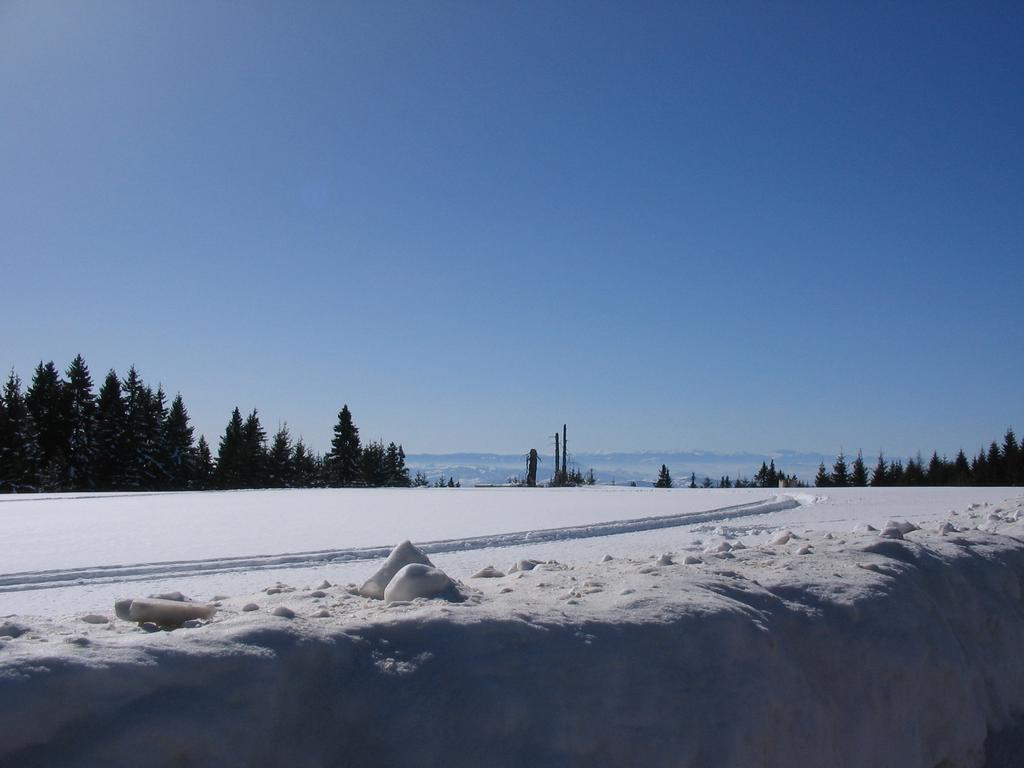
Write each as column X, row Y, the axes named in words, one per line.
column 565, row 454
column 531, row 469
column 557, row 472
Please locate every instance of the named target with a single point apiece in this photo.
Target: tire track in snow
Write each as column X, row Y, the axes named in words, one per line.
column 100, row 574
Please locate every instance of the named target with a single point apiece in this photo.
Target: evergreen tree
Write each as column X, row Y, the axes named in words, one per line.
column 880, row 474
column 18, row 447
column 936, row 473
column 664, row 478
column 254, row 452
column 897, row 475
column 822, row 479
column 111, row 457
column 1011, row 459
column 157, row 455
column 137, row 407
column 374, row 468
column 961, row 469
column 995, row 465
column 203, row 469
column 180, row 452
column 914, row 473
column 840, row 474
column 403, row 471
column 48, row 406
column 859, row 473
column 693, row 480
column 280, row 469
column 420, row 481
column 344, row 467
column 81, row 428
column 979, row 469
column 230, row 470
column 304, row 466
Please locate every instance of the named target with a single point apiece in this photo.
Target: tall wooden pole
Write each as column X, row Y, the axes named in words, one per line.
column 565, row 453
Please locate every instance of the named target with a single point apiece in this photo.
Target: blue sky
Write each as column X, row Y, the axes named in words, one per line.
column 724, row 226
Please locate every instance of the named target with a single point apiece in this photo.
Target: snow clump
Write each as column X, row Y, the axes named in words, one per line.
column 417, row 580
column 402, row 555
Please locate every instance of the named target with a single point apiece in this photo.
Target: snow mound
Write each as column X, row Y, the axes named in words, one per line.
column 402, row 555
column 164, row 612
column 487, row 572
column 417, row 580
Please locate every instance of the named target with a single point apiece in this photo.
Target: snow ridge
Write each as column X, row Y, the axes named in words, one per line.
column 100, row 574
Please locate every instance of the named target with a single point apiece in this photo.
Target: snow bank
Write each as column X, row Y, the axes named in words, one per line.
column 866, row 651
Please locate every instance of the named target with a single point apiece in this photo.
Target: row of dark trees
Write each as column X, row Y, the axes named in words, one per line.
column 999, row 465
column 766, row 477
column 60, row 435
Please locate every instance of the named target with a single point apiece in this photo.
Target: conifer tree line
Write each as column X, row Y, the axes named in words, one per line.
column 61, row 435
column 998, row 465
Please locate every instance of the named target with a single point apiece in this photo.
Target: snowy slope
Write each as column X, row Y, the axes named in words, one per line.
column 707, row 642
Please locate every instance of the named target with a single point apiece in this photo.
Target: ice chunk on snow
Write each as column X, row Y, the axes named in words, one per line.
column 523, row 565
column 95, row 618
column 864, row 528
column 904, row 526
column 780, row 538
column 167, row 611
column 723, row 546
column 665, row 559
column 804, row 550
column 490, row 572
column 692, row 560
column 402, row 555
column 417, row 580
column 891, row 532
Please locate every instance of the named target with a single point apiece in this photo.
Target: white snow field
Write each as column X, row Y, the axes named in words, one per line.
column 638, row 626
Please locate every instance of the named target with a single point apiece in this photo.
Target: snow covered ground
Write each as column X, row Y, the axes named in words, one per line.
column 669, row 627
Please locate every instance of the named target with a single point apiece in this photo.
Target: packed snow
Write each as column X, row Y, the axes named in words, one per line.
column 851, row 627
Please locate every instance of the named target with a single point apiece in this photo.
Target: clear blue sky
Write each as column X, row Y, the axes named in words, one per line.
column 728, row 226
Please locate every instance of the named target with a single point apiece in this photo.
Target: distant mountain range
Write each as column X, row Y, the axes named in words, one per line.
column 619, row 468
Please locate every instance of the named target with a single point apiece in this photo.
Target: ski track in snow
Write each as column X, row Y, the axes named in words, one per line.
column 103, row 574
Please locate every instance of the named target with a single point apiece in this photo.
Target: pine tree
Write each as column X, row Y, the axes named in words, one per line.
column 840, row 474
column 936, row 473
column 996, row 469
column 822, row 479
column 859, row 474
column 897, row 475
column 203, row 469
column 157, row 453
column 914, row 473
column 46, row 402
column 136, row 406
column 280, row 469
column 254, row 452
column 693, row 480
column 81, row 428
column 1011, row 459
column 391, row 465
column 343, row 462
column 304, row 466
column 230, row 470
column 664, row 478
column 403, row 471
column 111, row 457
column 19, row 452
column 880, row 474
column 180, row 452
column 372, row 460
column 961, row 469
